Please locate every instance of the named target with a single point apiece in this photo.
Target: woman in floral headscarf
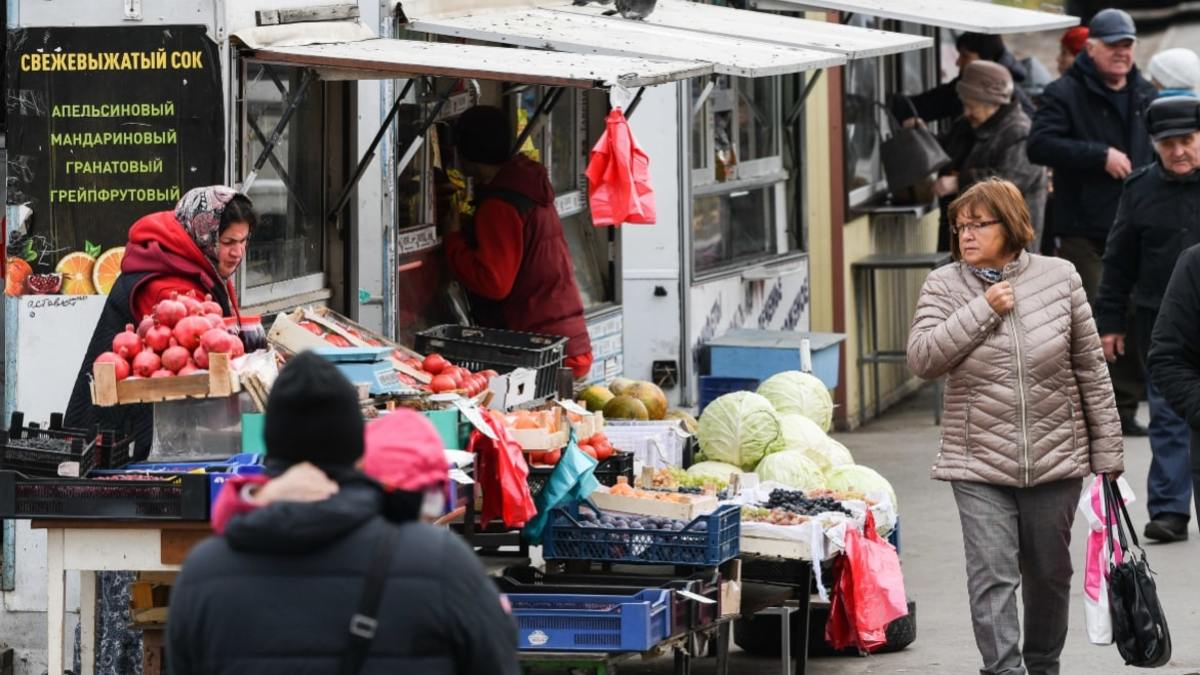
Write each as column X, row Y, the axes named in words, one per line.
column 195, row 248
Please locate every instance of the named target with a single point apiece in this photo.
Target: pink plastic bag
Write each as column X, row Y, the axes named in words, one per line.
column 619, row 177
column 868, row 593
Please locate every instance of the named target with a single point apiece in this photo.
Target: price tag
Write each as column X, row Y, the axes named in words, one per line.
column 698, row 598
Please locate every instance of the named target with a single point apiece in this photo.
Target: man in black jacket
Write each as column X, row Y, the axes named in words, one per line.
column 283, row 589
column 1175, row 350
column 1158, row 216
column 1090, row 131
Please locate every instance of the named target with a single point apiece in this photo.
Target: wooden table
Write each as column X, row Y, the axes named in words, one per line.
column 91, row 546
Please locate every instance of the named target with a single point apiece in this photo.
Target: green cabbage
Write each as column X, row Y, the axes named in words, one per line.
column 714, row 471
column 837, row 454
column 796, row 392
column 740, row 429
column 793, row 469
column 803, row 434
column 858, row 478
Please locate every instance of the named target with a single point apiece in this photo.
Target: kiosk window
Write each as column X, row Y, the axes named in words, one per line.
column 288, row 191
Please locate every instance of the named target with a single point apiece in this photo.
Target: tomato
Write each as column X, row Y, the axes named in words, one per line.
column 481, row 381
column 337, row 340
column 604, row 449
column 452, row 373
column 434, row 364
column 536, row 457
column 442, row 383
column 312, row 328
column 587, row 448
column 489, row 373
column 552, row 457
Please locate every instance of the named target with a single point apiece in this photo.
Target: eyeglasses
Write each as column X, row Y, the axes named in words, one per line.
column 973, row 228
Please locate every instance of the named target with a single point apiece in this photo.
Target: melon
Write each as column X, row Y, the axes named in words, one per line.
column 625, row 408
column 595, row 397
column 620, row 386
column 689, row 422
column 652, row 397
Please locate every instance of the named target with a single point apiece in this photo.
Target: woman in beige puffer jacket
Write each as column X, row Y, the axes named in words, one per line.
column 1029, row 411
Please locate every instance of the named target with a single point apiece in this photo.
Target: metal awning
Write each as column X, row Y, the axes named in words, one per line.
column 351, row 51
column 850, row 41
column 592, row 34
column 968, row 15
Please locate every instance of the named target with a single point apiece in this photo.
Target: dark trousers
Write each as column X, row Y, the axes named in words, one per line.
column 1128, row 377
column 1169, row 483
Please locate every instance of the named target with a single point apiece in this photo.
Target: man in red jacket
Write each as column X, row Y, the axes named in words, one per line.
column 512, row 255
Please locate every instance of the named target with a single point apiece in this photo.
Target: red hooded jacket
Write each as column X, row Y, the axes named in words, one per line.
column 159, row 246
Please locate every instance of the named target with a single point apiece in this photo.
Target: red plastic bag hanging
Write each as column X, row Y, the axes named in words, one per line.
column 869, row 591
column 619, row 177
column 501, row 472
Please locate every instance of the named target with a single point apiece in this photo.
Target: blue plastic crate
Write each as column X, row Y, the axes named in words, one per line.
column 592, row 623
column 763, row 353
column 713, row 387
column 706, row 541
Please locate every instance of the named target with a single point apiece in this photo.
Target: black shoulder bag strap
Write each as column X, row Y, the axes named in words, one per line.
column 365, row 620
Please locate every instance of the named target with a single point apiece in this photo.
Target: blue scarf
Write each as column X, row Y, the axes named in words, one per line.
column 987, row 275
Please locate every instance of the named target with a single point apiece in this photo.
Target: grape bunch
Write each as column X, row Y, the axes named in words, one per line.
column 797, row 502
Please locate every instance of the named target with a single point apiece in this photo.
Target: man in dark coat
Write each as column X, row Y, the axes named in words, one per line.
column 281, row 590
column 1090, row 131
column 1158, row 217
column 1174, row 363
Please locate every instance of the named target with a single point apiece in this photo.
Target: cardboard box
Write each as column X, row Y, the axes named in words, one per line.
column 698, row 505
column 731, row 588
column 513, row 389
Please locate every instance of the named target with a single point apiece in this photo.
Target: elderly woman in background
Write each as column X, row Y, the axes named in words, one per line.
column 1175, row 72
column 989, row 141
column 1029, row 412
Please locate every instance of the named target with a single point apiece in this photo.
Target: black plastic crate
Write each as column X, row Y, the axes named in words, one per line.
column 607, row 472
column 35, row 451
column 114, row 449
column 479, row 349
column 183, row 497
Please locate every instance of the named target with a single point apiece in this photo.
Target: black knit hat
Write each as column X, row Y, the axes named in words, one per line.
column 313, row 415
column 481, row 135
column 988, row 47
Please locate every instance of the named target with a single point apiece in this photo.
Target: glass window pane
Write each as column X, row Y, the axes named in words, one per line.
column 732, row 226
column 589, row 253
column 288, row 242
column 527, row 103
column 564, row 145
column 701, row 148
column 757, row 115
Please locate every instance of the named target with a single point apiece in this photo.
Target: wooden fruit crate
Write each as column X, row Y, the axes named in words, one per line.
column 696, row 505
column 220, row 381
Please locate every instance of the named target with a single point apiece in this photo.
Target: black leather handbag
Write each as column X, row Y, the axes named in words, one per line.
column 909, row 155
column 1138, row 624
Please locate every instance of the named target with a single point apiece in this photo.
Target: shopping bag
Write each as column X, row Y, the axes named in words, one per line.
column 502, row 475
column 1139, row 625
column 1096, row 612
column 909, row 155
column 618, row 176
column 869, row 592
column 573, row 479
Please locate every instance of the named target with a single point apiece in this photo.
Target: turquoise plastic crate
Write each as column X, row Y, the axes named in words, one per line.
column 454, row 429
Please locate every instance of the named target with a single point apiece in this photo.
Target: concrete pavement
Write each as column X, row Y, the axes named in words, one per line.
column 901, row 445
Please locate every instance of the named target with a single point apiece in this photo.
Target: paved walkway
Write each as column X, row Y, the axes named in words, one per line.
column 901, row 445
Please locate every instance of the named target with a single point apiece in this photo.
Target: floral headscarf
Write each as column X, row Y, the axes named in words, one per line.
column 200, row 214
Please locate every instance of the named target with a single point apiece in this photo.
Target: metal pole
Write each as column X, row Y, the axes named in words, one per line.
column 794, row 114
column 368, row 156
column 633, row 105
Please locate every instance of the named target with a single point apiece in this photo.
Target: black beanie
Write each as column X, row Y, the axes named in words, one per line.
column 481, row 135
column 313, row 415
column 988, row 47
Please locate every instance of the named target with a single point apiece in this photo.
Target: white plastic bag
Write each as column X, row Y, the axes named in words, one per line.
column 1096, row 562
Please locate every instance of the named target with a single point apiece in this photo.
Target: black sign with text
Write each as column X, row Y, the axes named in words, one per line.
column 105, row 125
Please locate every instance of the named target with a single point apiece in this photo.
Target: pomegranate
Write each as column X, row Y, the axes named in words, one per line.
column 145, row 363
column 216, row 341
column 146, row 324
column 239, row 349
column 126, row 344
column 189, row 369
column 169, row 312
column 209, row 306
column 158, row 338
column 216, row 320
column 192, row 305
column 188, row 331
column 434, row 364
column 175, row 357
column 44, row 284
column 120, row 365
column 201, row 358
column 161, row 372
